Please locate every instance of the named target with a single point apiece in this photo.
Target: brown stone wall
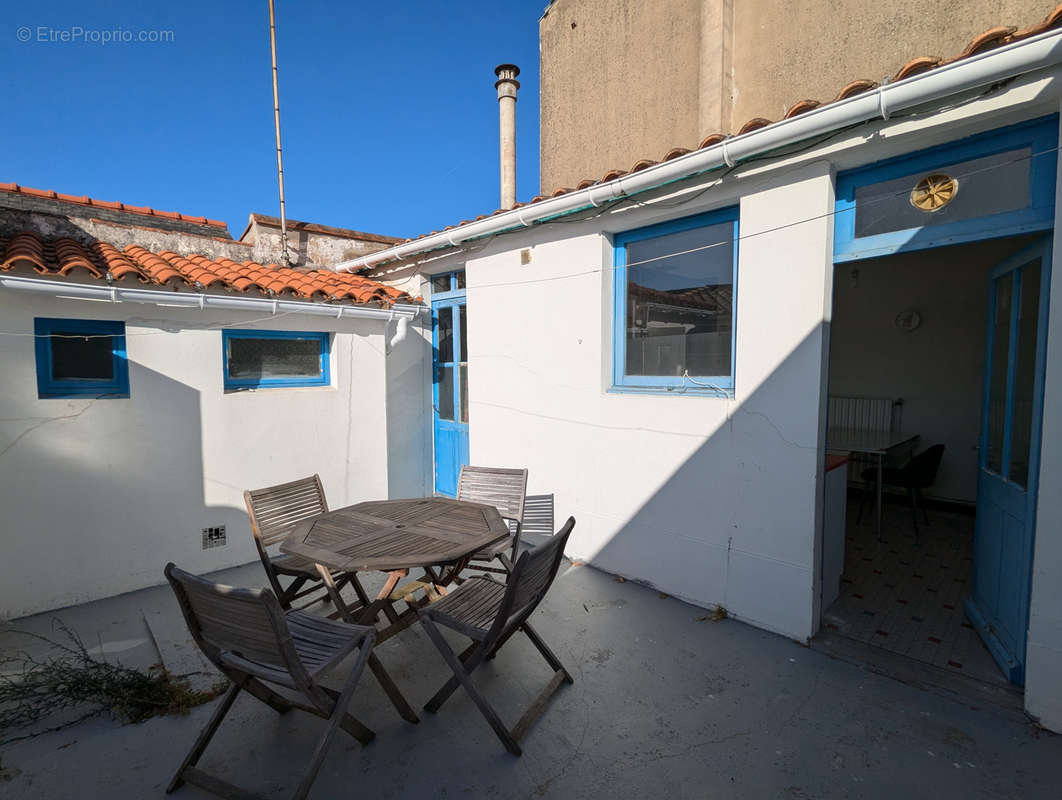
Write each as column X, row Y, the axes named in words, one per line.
column 623, row 80
column 617, row 78
column 800, row 49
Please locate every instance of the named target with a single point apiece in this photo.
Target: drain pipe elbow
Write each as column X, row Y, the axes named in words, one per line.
column 401, row 330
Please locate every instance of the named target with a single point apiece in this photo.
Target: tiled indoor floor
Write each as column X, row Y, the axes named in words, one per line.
column 906, row 597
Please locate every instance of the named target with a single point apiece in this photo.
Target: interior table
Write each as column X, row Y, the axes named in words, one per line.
column 435, row 534
column 878, row 444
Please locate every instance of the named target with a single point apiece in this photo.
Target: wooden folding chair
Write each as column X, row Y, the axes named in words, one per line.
column 505, row 489
column 489, row 613
column 256, row 644
column 273, row 510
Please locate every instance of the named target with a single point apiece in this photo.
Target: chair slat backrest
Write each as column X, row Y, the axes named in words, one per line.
column 538, row 514
column 533, row 575
column 243, row 622
column 505, row 489
column 274, row 509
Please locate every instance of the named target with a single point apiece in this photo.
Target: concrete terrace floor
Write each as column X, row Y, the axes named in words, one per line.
column 665, row 704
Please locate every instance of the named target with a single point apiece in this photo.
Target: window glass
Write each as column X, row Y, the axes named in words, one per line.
column 997, row 387
column 446, row 392
column 82, row 356
column 679, row 303
column 464, row 392
column 273, row 358
column 983, row 186
column 463, row 353
column 459, row 280
column 445, row 334
column 441, row 283
column 1025, row 373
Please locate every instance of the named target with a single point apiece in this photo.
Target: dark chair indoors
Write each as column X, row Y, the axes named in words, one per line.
column 917, row 475
column 265, row 650
column 489, row 612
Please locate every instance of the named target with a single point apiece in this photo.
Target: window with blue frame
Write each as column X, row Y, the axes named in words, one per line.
column 674, row 305
column 275, row 359
column 80, row 358
column 987, row 186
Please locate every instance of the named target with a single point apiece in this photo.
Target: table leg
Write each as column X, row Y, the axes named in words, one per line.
column 877, row 499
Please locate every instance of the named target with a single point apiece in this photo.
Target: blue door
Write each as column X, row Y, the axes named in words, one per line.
column 450, row 379
column 998, row 605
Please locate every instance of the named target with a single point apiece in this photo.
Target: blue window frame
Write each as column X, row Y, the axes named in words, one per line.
column 80, row 358
column 448, row 284
column 275, row 359
column 1003, row 183
column 674, row 315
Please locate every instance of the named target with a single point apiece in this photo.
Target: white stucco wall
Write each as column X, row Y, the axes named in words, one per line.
column 1043, row 654
column 716, row 501
column 97, row 495
column 707, row 498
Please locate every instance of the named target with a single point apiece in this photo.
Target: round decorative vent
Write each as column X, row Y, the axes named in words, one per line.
column 934, row 192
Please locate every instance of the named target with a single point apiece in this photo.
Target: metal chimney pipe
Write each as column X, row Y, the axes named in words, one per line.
column 507, row 86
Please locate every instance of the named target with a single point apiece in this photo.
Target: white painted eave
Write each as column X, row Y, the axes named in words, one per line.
column 986, row 69
column 121, row 294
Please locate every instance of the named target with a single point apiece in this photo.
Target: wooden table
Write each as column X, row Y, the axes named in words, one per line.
column 873, row 443
column 436, row 534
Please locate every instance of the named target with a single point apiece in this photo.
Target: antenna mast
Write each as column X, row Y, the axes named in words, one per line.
column 285, row 257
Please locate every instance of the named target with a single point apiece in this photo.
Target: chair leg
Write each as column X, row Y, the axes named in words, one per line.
column 466, row 680
column 470, row 657
column 391, row 688
column 335, row 721
column 863, row 501
column 914, row 509
column 204, row 738
column 547, row 654
column 922, row 503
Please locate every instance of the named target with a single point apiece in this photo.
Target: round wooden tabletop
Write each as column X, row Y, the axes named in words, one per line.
column 396, row 534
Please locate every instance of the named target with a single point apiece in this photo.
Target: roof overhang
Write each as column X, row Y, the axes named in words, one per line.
column 203, row 301
column 974, row 72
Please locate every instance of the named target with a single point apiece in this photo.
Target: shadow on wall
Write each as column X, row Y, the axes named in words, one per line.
column 734, row 524
column 100, row 495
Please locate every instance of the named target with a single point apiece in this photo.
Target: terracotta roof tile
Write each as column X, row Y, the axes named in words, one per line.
column 14, row 188
column 103, row 261
column 995, row 37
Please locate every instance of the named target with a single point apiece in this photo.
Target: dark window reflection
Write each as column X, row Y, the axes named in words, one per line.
column 82, row 357
column 680, row 297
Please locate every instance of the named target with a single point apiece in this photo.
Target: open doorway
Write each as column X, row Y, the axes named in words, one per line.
column 919, row 340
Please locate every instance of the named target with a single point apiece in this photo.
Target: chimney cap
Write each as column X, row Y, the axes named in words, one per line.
column 512, row 69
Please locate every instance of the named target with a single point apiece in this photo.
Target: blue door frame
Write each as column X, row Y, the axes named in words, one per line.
column 998, row 605
column 449, row 380
column 1009, row 463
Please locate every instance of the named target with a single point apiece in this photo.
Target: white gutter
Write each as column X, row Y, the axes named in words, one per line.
column 970, row 73
column 120, row 294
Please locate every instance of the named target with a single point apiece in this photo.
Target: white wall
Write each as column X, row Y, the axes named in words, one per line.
column 710, row 499
column 938, row 369
column 97, row 495
column 1043, row 666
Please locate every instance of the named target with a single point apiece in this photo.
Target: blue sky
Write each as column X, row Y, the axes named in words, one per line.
column 388, row 110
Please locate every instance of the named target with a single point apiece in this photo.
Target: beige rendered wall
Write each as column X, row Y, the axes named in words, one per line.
column 809, row 49
column 617, row 80
column 624, row 80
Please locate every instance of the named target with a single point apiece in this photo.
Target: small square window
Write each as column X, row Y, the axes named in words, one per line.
column 674, row 312
column 440, row 283
column 80, row 358
column 256, row 359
